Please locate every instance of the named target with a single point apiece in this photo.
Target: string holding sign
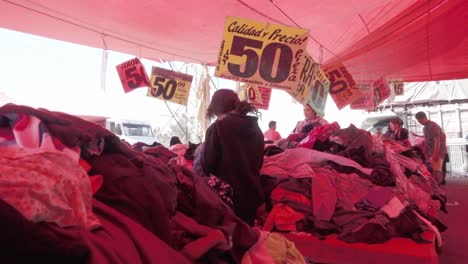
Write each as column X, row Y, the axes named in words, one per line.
column 261, row 53
column 132, row 75
column 170, row 85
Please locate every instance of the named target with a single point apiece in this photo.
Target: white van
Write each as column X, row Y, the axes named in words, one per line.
column 132, row 131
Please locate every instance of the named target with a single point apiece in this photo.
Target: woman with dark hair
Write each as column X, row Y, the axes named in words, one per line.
column 234, row 151
column 399, row 133
column 174, row 141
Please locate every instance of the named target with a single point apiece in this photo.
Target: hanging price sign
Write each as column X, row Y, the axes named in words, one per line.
column 398, row 87
column 132, row 75
column 265, row 94
column 366, row 100
column 381, row 91
column 256, row 95
column 170, row 85
column 263, row 54
column 313, row 86
column 343, row 88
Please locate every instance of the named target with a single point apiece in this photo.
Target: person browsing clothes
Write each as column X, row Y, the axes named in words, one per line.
column 233, row 151
column 434, row 145
column 399, row 133
column 311, row 118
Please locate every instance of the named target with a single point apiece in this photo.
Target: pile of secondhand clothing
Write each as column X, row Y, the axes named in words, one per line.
column 350, row 183
column 72, row 192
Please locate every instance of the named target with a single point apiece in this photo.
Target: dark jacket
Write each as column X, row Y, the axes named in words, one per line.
column 234, row 153
column 401, row 134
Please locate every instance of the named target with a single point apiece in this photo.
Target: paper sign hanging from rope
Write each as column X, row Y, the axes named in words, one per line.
column 319, row 92
column 366, row 100
column 398, row 87
column 313, row 86
column 256, row 95
column 170, row 85
column 263, row 92
column 132, row 75
column 260, row 53
column 343, row 88
column 381, row 91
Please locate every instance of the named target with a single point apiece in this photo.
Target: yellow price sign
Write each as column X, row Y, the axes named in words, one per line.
column 170, row 85
column 398, row 87
column 313, row 86
column 261, row 53
column 319, row 91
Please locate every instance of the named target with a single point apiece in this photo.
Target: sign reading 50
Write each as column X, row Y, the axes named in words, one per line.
column 261, row 53
column 132, row 75
column 343, row 88
column 170, row 86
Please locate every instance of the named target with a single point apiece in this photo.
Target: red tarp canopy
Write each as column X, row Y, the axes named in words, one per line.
column 415, row 40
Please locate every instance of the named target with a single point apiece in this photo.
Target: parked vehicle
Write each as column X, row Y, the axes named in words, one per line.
column 132, row 131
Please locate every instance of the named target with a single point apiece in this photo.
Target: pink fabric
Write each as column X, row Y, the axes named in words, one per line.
column 272, row 135
column 284, row 164
column 320, row 132
column 413, row 40
column 46, row 187
column 28, row 134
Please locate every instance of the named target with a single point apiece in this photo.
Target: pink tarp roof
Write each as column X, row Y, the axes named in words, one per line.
column 415, row 40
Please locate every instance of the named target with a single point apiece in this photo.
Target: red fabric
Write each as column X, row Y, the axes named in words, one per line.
column 373, row 38
column 96, row 182
column 283, row 217
column 279, row 194
column 319, row 133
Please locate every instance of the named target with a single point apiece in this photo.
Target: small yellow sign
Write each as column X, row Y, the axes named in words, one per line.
column 262, row 54
column 399, row 87
column 170, row 85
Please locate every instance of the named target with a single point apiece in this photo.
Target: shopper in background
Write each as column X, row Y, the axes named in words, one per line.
column 271, row 134
column 434, row 145
column 399, row 133
column 311, row 118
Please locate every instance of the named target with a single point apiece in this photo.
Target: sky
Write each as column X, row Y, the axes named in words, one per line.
column 66, row 77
